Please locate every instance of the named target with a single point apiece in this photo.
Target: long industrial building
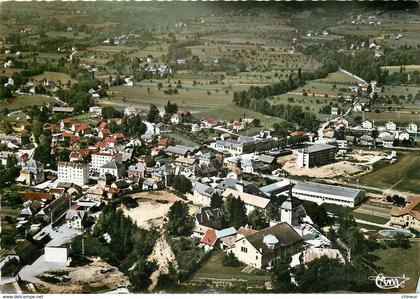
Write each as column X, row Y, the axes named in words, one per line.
column 323, row 193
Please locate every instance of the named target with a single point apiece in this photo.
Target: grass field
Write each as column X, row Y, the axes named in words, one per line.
column 370, row 218
column 396, row 68
column 338, row 77
column 22, row 101
column 403, row 175
column 214, row 270
column 55, row 76
column 398, row 261
column 193, row 99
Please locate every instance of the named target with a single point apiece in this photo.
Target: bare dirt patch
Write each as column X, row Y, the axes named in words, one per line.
column 327, row 171
column 93, row 277
column 152, row 209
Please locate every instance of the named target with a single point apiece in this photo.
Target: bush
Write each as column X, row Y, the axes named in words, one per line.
column 230, row 260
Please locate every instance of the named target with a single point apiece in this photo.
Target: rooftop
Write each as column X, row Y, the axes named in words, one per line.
column 327, row 189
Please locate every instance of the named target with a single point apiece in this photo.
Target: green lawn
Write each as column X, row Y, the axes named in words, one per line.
column 398, row 261
column 403, row 175
column 214, row 270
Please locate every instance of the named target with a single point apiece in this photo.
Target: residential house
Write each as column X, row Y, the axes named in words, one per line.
column 74, row 218
column 208, row 123
column 136, row 171
column 367, row 140
column 175, row 118
column 390, row 126
column 32, row 173
column 411, row 128
column 4, row 155
column 206, row 218
column 403, row 136
column 409, row 215
column 113, row 168
column 252, row 199
column 149, row 184
column 265, row 247
column 202, row 194
column 388, row 141
column 368, row 125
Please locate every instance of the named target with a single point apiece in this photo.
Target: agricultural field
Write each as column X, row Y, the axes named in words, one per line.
column 195, row 100
column 403, row 175
column 22, row 101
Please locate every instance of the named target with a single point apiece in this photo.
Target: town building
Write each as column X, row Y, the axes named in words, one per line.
column 316, row 155
column 323, row 193
column 76, row 173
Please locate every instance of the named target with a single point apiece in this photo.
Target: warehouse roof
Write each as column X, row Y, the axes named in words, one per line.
column 327, row 189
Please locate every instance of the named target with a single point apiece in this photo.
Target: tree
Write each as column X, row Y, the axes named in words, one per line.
column 153, row 115
column 317, row 213
column 171, row 108
column 281, row 276
column 230, row 260
column 5, row 93
column 110, row 112
column 258, row 219
column 182, row 184
column 180, row 222
column 216, row 200
column 328, row 275
column 235, row 211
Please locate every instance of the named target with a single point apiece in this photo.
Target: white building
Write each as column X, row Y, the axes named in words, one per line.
column 74, row 218
column 76, row 173
column 412, row 128
column 97, row 110
column 234, row 147
column 390, row 126
column 368, row 125
column 100, row 159
column 322, row 193
column 130, row 111
column 56, row 254
column 112, row 168
column 175, row 119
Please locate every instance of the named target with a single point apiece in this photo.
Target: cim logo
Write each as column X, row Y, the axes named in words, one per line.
column 388, row 283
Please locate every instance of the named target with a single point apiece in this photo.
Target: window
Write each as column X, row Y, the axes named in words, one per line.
column 256, row 257
column 244, row 249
